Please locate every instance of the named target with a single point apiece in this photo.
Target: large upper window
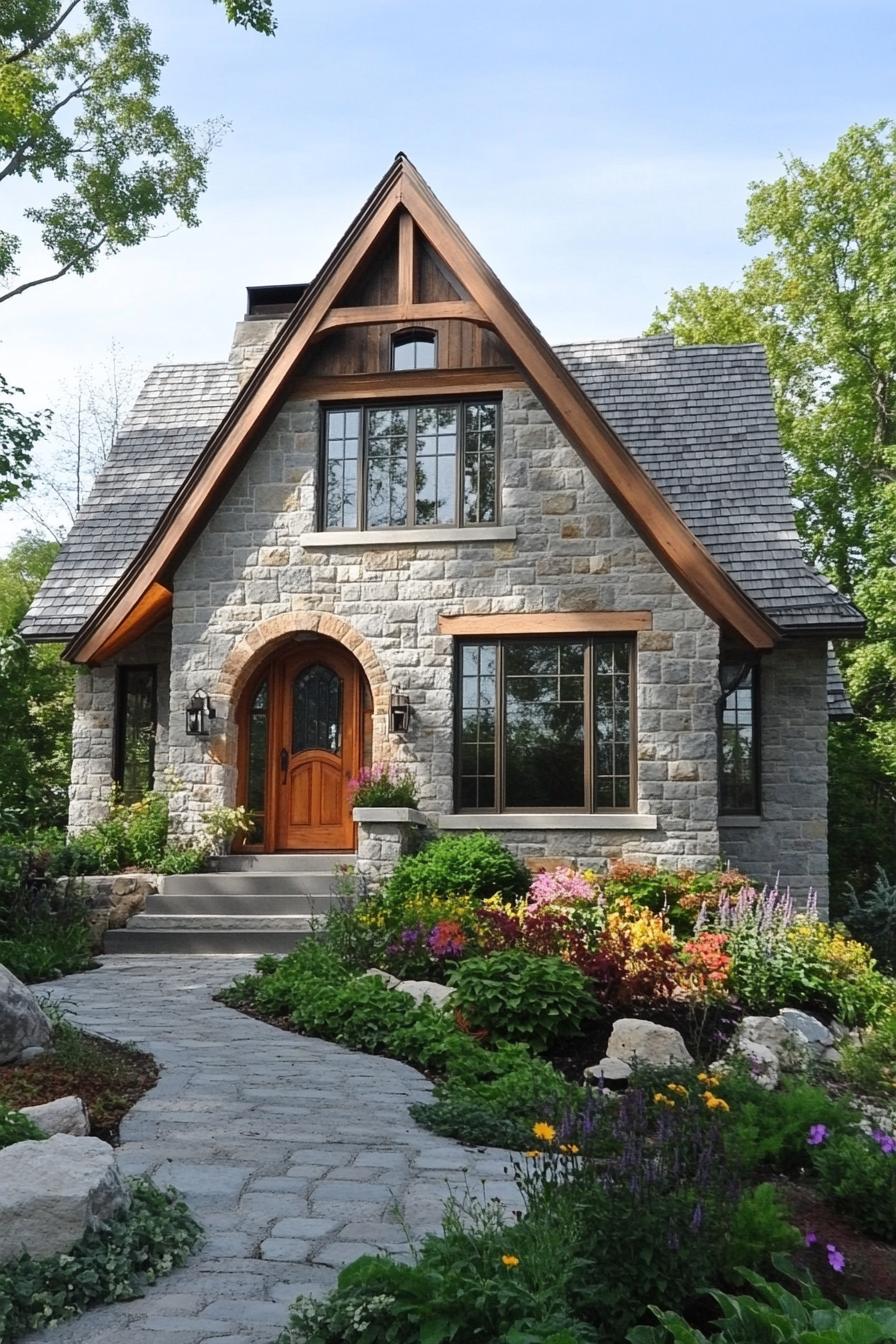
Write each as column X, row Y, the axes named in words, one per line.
column 739, row 738
column 411, row 466
column 135, row 732
column 544, row 724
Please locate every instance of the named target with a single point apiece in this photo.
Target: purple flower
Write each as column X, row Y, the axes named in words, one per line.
column 836, row 1258
column 697, row 1217
column 811, row 1238
column 817, row 1134
column 886, row 1142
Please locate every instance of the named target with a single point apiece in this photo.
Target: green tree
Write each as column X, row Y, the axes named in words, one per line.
column 821, row 297
column 81, row 119
column 36, row 692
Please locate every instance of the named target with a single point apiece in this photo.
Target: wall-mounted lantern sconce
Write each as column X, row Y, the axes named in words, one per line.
column 199, row 711
column 399, row 713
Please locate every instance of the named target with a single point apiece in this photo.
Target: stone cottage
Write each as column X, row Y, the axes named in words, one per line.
column 563, row 585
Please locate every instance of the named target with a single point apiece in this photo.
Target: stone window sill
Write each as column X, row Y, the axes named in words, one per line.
column 547, row 821
column 408, row 536
column 389, row 815
column 738, row 822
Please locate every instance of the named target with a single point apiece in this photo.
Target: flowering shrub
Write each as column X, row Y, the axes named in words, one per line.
column 706, row 965
column 856, row 1172
column 385, row 785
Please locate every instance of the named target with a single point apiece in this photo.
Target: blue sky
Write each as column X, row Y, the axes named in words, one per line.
column 596, row 153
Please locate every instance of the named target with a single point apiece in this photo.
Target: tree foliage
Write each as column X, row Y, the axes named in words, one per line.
column 36, row 692
column 821, row 298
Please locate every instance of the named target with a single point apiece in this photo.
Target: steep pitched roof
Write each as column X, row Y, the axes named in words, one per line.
column 699, row 419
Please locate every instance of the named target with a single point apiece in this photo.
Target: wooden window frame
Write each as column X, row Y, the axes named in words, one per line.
column 122, row 672
column 755, row 808
column 415, row 336
column 587, row 808
column 409, row 404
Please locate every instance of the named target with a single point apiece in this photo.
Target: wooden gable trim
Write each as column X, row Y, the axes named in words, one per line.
column 339, row 318
column 414, row 383
column 623, row 479
column 547, row 623
column 152, row 606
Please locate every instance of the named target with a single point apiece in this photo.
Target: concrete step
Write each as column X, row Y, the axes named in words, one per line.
column 281, row 863
column 259, row 882
column 194, row 941
column 218, row 923
column 239, row 903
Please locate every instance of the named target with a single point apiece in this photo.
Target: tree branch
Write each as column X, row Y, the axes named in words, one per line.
column 36, row 42
column 57, row 275
column 21, row 154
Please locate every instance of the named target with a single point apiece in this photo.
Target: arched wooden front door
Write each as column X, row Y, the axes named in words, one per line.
column 300, row 744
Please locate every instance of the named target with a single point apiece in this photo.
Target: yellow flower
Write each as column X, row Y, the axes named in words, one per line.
column 662, row 1100
column 569, row 1148
column 543, row 1131
column 709, row 1079
column 715, row 1103
column 677, row 1089
column 510, row 1261
column 532, row 1152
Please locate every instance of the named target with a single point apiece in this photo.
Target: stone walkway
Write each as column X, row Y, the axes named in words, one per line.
column 296, row 1155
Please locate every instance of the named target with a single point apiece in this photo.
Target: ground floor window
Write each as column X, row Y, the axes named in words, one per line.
column 135, row 731
column 544, row 724
column 739, row 738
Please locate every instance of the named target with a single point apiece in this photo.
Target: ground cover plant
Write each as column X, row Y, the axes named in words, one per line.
column 112, row 1264
column 107, row 1075
column 43, row 924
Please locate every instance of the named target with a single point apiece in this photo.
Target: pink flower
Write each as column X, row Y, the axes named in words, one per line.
column 817, row 1134
column 836, row 1258
column 811, row 1238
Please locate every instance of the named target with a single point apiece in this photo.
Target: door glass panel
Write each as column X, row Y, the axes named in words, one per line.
column 317, row 710
column 257, row 763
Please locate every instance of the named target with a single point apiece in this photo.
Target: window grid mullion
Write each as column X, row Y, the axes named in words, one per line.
column 499, row 725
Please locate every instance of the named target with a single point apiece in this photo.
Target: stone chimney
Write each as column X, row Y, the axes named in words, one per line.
column 251, row 339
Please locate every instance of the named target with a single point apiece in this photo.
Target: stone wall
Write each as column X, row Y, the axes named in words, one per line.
column 93, row 732
column 573, row 551
column 791, row 837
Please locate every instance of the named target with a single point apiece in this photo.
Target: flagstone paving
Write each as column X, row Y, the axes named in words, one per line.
column 295, row 1155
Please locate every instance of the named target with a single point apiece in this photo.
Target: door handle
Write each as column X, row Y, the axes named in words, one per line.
column 284, row 764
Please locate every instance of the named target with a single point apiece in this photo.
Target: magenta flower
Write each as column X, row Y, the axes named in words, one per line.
column 836, row 1258
column 817, row 1134
column 811, row 1238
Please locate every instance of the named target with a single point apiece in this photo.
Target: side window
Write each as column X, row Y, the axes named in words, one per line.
column 413, row 350
column 739, row 738
column 135, row 731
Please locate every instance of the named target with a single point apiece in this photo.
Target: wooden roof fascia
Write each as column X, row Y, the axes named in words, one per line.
column 624, row 480
column 155, row 603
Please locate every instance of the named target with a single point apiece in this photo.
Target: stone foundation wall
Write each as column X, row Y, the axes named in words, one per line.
column 790, row 839
column 93, row 732
column 574, row 551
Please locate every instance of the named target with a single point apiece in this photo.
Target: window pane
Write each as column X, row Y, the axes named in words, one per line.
column 612, row 723
column 416, row 350
column 136, row 731
column 257, row 760
column 738, row 782
column 544, row 725
column 435, row 465
column 477, row 726
column 316, row 710
column 387, row 468
column 480, row 452
column 341, row 497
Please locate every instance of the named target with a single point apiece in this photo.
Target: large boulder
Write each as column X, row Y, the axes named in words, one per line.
column 648, row 1043
column 763, row 1062
column 426, row 989
column 65, row 1115
column 54, row 1190
column 792, row 1037
column 608, row 1071
column 807, row 1030
column 23, row 1023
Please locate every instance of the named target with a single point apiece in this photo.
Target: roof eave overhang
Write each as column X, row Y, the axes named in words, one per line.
column 710, row 587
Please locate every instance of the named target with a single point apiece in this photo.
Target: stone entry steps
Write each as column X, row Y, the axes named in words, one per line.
column 249, row 904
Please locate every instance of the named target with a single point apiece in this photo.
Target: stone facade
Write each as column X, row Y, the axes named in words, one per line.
column 789, row 843
column 252, row 577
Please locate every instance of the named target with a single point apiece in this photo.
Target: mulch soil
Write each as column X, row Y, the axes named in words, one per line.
column 870, row 1270
column 109, row 1078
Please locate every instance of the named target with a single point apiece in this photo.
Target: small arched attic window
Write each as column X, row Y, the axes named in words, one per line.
column 413, row 350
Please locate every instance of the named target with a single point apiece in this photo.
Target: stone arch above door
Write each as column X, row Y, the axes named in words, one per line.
column 260, row 642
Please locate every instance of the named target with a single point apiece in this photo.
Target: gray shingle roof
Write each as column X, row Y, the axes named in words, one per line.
column 699, row 419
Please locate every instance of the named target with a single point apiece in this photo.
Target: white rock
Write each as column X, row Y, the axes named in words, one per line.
column 831, row 1055
column 771, row 1032
column 609, row 1070
column 65, row 1115
column 648, row 1042
column 426, row 989
column 807, row 1029
column 763, row 1064
column 23, row 1022
column 390, row 981
column 54, row 1190
column 33, row 1052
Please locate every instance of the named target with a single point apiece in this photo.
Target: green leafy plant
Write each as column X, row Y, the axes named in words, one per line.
column 223, row 824
column 474, row 865
column 773, row 1314
column 112, row 1264
column 516, row 996
column 16, row 1127
column 43, row 923
column 857, row 1174
column 870, row 1064
column 386, row 785
column 871, row 917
